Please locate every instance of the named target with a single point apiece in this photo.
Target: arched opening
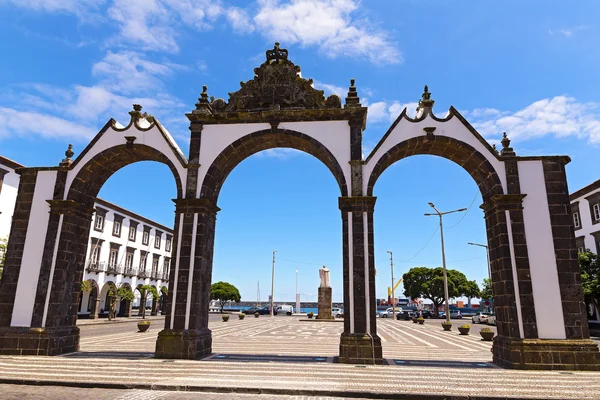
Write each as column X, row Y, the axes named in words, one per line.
column 290, row 204
column 88, row 306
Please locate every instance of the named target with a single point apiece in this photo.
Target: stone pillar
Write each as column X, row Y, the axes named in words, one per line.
column 359, row 344
column 126, row 309
column 154, row 303
column 95, row 308
column 186, row 334
column 324, row 305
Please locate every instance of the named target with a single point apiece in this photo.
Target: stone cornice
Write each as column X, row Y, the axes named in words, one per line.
column 195, row 205
column 357, row 203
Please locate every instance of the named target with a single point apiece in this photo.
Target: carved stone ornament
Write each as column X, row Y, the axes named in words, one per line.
column 277, row 85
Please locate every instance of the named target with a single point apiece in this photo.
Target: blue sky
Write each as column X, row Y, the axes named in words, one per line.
column 528, row 68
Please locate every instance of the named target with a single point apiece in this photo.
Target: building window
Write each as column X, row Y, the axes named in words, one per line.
column 117, row 228
column 596, row 211
column 132, row 231
column 99, row 224
column 155, row 265
column 146, row 237
column 95, row 253
column 168, row 244
column 157, row 241
column 580, row 250
column 129, row 260
column 114, row 256
column 576, row 220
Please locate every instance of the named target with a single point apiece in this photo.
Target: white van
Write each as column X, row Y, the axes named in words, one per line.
column 284, row 310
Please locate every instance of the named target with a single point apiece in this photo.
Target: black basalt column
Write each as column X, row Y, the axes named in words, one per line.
column 359, row 344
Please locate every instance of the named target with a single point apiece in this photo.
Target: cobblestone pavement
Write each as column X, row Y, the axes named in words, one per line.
column 19, row 392
column 286, row 353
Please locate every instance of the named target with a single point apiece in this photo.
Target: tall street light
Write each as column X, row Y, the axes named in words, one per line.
column 440, row 214
column 393, row 296
column 487, row 250
column 273, row 281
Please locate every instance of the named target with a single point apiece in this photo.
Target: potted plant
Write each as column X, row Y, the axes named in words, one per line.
column 487, row 334
column 415, row 320
column 464, row 329
column 143, row 326
column 225, row 317
column 421, row 320
column 447, row 325
column 310, row 314
column 256, row 314
column 241, row 315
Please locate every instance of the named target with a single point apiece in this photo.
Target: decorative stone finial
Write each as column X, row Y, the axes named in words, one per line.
column 203, row 104
column 352, row 100
column 425, row 104
column 67, row 161
column 506, row 149
column 276, row 54
column 495, row 148
column 137, row 112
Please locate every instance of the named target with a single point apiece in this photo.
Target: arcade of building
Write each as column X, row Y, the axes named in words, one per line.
column 541, row 315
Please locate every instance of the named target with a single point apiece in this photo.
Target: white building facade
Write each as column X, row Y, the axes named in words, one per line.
column 125, row 249
column 585, row 205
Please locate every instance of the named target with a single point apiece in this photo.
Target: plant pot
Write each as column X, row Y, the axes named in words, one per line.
column 463, row 331
column 446, row 326
column 487, row 336
column 421, row 321
column 225, row 317
column 143, row 327
column 256, row 315
column 241, row 315
column 310, row 315
column 414, row 320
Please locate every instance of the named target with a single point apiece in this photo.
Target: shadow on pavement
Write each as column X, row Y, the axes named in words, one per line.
column 265, row 358
column 444, row 364
column 124, row 355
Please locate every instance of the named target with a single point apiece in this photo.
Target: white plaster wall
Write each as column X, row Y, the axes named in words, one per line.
column 111, row 138
column 453, row 128
column 540, row 250
column 335, row 135
column 8, row 198
column 215, row 138
column 585, row 218
column 33, row 249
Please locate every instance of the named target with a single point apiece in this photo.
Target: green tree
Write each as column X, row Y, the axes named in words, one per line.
column 429, row 284
column 145, row 291
column 486, row 290
column 3, row 244
column 224, row 292
column 123, row 292
column 589, row 264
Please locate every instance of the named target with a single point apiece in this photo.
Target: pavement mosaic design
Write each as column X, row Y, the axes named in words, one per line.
column 288, row 356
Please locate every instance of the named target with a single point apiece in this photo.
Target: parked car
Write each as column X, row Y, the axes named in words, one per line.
column 404, row 314
column 454, row 314
column 480, row 318
column 491, row 320
column 388, row 313
column 337, row 312
column 260, row 310
column 284, row 310
column 425, row 313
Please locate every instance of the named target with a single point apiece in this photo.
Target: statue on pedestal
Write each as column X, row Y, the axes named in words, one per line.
column 324, row 275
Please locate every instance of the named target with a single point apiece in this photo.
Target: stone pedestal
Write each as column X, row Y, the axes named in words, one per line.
column 186, row 344
column 38, row 341
column 324, row 303
column 546, row 354
column 360, row 348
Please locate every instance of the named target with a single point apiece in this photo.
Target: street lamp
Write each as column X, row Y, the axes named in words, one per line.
column 393, row 297
column 487, row 250
column 440, row 214
column 273, row 281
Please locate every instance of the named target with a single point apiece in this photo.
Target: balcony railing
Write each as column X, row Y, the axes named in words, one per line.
column 115, row 269
column 95, row 266
column 130, row 271
column 165, row 276
column 143, row 274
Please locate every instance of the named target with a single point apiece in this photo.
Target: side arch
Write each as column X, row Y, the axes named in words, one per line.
column 463, row 154
column 257, row 141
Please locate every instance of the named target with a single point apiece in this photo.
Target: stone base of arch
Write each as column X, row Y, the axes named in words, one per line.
column 546, row 354
column 25, row 341
column 359, row 348
column 186, row 344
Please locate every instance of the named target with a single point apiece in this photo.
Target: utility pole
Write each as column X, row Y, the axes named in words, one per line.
column 487, row 251
column 393, row 296
column 273, row 281
column 297, row 294
column 440, row 214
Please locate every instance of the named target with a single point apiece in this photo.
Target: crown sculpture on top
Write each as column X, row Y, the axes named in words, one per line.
column 277, row 85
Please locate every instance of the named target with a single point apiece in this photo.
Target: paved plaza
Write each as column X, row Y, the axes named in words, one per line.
column 288, row 356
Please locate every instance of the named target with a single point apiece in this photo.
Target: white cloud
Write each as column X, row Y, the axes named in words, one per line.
column 280, row 153
column 240, row 20
column 568, row 32
column 331, row 89
column 26, row 123
column 559, row 116
column 326, row 24
column 385, row 111
column 81, row 8
column 128, row 72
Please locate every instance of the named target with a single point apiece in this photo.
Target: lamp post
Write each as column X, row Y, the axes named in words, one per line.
column 272, row 281
column 297, row 294
column 487, row 250
column 440, row 214
column 393, row 296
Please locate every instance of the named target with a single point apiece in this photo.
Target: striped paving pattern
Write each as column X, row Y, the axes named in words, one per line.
column 271, row 355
